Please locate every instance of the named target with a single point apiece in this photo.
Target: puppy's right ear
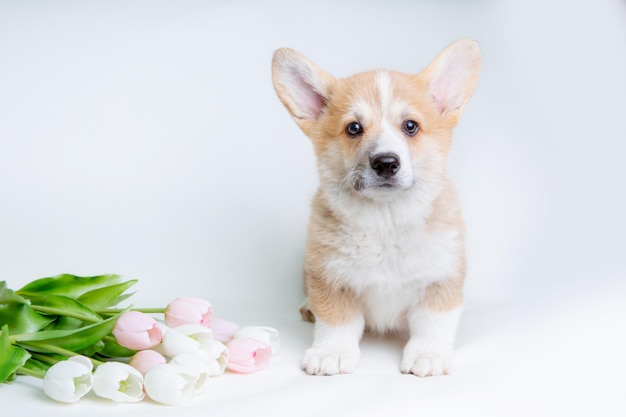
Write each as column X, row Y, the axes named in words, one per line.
column 301, row 86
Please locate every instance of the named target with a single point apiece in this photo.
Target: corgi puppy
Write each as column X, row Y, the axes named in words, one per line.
column 385, row 247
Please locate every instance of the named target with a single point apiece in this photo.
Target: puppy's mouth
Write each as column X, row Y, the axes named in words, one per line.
column 361, row 184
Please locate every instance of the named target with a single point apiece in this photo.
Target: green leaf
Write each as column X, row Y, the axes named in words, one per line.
column 62, row 306
column 69, row 285
column 112, row 349
column 37, row 365
column 65, row 323
column 121, row 298
column 71, row 340
column 105, row 296
column 8, row 296
column 17, row 314
column 11, row 357
column 93, row 349
column 21, row 318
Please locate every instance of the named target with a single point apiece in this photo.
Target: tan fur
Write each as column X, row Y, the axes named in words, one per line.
column 446, row 295
column 329, row 302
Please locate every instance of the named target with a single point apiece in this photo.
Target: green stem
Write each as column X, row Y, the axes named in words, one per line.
column 60, row 312
column 44, row 358
column 60, row 351
column 114, row 311
column 30, row 372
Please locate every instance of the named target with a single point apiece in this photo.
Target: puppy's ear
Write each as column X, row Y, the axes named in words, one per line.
column 301, row 86
column 452, row 77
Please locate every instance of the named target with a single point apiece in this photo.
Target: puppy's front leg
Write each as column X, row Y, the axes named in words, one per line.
column 339, row 326
column 433, row 325
column 335, row 347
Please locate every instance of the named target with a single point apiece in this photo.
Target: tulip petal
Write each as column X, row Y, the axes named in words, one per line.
column 170, row 384
column 145, row 360
column 118, row 382
column 186, row 339
column 248, row 355
column 188, row 310
column 137, row 331
column 223, row 330
column 68, row 381
column 218, row 358
column 196, row 366
column 265, row 334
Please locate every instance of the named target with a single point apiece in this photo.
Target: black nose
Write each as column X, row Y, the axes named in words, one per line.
column 385, row 164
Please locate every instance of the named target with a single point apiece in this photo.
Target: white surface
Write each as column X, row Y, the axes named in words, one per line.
column 144, row 138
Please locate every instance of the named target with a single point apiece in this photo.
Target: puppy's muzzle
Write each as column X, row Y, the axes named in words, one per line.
column 385, row 165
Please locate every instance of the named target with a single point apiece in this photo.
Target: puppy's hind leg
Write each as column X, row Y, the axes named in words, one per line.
column 306, row 313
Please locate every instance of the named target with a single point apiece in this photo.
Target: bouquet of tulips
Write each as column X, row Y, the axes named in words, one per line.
column 62, row 328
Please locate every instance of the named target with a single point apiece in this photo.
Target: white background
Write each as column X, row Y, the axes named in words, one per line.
column 144, row 138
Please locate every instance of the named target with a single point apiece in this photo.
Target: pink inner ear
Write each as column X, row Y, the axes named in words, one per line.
column 444, row 89
column 309, row 100
column 448, row 87
column 440, row 103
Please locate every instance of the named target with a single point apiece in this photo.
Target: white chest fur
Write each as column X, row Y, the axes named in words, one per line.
column 389, row 263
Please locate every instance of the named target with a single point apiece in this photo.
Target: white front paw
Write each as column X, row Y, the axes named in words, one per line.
column 330, row 361
column 426, row 364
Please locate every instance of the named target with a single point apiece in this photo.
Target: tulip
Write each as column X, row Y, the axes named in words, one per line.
column 118, row 382
column 137, row 331
column 145, row 360
column 196, row 366
column 187, row 339
column 188, row 310
column 216, row 358
column 248, row 355
column 198, row 341
column 68, row 381
column 223, row 330
column 170, row 384
column 267, row 335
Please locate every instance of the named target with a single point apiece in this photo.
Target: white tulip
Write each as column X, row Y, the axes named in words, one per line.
column 171, row 384
column 217, row 358
column 195, row 366
column 197, row 341
column 187, row 339
column 118, row 382
column 68, row 381
column 265, row 334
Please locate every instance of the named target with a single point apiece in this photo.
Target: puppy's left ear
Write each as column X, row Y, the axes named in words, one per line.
column 452, row 77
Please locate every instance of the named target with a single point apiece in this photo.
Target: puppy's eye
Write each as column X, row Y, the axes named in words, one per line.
column 354, row 129
column 410, row 127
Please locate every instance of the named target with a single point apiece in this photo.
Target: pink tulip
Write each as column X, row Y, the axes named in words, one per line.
column 265, row 334
column 137, row 331
column 145, row 360
column 248, row 355
column 223, row 330
column 188, row 310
